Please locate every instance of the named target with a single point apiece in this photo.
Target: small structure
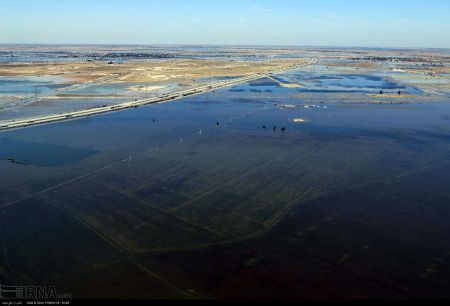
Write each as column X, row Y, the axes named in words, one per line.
column 313, row 106
column 288, row 106
column 299, row 120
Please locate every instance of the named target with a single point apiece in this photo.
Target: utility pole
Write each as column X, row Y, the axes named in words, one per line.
column 210, row 81
column 36, row 93
column 209, row 72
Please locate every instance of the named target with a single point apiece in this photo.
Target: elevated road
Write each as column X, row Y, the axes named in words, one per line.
column 134, row 104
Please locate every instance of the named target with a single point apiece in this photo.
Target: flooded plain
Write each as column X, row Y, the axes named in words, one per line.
column 225, row 195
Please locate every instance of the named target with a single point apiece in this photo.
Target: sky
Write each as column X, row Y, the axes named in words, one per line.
column 362, row 23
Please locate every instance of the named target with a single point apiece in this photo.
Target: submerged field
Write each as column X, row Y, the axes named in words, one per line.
column 223, row 195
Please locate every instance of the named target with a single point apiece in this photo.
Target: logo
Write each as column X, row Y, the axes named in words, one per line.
column 30, row 293
column 11, row 292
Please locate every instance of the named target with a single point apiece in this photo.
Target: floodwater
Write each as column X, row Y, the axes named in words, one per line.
column 223, row 195
column 41, row 86
column 40, row 154
column 356, row 83
column 28, row 97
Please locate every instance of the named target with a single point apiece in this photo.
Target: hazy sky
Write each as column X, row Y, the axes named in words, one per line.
column 376, row 23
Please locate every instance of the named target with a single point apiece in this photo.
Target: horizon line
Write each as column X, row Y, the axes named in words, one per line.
column 221, row 45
